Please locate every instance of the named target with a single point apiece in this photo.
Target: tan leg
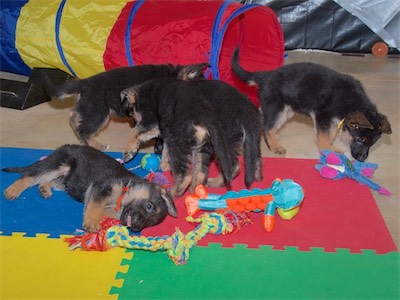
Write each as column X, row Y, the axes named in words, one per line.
column 180, row 186
column 199, row 178
column 164, row 164
column 93, row 215
column 216, row 181
column 45, row 189
column 136, row 138
column 95, row 144
column 75, row 120
column 325, row 141
column 259, row 175
column 271, row 139
column 15, row 190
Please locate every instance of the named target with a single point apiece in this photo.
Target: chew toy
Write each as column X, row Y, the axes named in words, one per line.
column 333, row 165
column 177, row 246
column 284, row 195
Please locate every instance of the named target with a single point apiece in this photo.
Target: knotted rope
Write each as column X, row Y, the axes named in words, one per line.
column 177, row 246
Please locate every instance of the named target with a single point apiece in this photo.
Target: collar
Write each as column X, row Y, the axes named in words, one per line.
column 120, row 198
column 340, row 126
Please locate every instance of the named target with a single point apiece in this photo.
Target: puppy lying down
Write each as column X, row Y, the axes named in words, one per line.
column 196, row 120
column 102, row 183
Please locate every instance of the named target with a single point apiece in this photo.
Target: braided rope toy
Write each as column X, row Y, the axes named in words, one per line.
column 177, row 246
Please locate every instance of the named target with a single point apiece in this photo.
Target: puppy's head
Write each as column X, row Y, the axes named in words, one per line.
column 192, row 72
column 364, row 130
column 146, row 205
column 128, row 102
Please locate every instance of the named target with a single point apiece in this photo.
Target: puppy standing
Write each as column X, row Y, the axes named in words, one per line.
column 332, row 100
column 197, row 119
column 102, row 183
column 98, row 96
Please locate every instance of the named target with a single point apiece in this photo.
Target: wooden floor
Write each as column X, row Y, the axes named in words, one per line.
column 46, row 125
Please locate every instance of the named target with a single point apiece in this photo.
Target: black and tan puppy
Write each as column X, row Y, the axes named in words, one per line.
column 102, row 183
column 196, row 119
column 98, row 96
column 336, row 102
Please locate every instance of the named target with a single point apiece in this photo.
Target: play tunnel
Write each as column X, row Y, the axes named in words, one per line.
column 83, row 38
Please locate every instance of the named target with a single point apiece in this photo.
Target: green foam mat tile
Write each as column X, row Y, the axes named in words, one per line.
column 240, row 273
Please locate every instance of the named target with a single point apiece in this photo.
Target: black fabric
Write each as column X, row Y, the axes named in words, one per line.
column 323, row 25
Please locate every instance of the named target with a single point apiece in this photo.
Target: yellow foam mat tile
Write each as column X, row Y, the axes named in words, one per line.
column 44, row 268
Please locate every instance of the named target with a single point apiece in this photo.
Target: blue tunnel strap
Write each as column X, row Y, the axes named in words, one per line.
column 127, row 36
column 58, row 41
column 218, row 33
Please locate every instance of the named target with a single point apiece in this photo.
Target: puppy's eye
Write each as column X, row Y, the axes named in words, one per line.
column 149, row 207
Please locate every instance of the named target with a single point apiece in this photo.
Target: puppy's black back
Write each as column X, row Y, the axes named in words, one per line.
column 307, row 87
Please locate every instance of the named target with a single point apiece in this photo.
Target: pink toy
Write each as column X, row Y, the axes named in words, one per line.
column 335, row 166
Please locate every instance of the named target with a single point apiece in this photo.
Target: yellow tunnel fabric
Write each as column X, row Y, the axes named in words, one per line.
column 84, row 29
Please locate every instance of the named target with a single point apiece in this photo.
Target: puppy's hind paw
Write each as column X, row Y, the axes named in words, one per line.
column 11, row 193
column 278, row 150
column 45, row 190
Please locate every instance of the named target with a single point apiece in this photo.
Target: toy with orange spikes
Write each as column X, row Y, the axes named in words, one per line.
column 285, row 196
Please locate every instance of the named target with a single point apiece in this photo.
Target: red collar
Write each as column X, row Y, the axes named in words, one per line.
column 119, row 201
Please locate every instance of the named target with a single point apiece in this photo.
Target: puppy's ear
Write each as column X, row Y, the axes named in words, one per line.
column 384, row 125
column 128, row 95
column 192, row 72
column 359, row 120
column 124, row 95
column 169, row 200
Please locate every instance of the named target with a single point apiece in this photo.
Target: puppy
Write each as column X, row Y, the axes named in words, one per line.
column 102, row 183
column 337, row 103
column 196, row 119
column 98, row 96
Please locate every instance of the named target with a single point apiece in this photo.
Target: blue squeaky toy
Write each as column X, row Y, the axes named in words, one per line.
column 150, row 162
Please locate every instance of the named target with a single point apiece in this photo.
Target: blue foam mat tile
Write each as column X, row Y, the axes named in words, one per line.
column 32, row 214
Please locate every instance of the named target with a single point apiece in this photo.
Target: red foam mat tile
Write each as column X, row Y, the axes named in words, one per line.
column 334, row 214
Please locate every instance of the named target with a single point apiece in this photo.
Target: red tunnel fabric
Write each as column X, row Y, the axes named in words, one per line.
column 187, row 32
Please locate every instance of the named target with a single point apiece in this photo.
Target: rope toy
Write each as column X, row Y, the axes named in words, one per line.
column 177, row 246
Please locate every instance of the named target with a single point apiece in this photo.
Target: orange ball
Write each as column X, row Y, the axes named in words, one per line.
column 380, row 49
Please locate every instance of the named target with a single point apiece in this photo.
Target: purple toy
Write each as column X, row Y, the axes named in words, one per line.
column 333, row 165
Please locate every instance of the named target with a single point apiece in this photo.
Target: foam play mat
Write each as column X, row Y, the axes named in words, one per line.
column 338, row 246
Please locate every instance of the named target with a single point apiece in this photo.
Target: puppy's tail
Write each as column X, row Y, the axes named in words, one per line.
column 69, row 89
column 239, row 71
column 252, row 155
column 226, row 155
column 14, row 169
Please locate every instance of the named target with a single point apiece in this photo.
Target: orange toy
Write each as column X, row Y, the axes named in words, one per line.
column 380, row 49
column 245, row 200
column 285, row 196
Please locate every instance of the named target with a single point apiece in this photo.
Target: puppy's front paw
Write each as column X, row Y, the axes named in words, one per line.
column 91, row 225
column 128, row 155
column 335, row 149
